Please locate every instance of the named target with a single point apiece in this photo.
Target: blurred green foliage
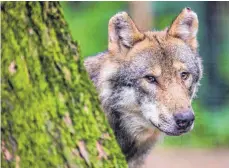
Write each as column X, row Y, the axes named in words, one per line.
column 88, row 22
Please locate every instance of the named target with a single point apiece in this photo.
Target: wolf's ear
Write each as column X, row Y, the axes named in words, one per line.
column 185, row 27
column 122, row 31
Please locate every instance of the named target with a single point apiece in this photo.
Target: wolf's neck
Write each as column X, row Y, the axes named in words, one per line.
column 134, row 135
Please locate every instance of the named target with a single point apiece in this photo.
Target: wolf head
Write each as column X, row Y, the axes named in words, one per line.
column 147, row 80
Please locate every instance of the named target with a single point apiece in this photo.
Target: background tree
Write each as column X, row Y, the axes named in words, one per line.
column 142, row 14
column 50, row 111
column 217, row 17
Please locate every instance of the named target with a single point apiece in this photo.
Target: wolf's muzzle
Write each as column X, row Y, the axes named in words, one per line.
column 184, row 119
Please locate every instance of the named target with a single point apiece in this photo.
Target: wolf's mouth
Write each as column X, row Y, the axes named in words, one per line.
column 176, row 132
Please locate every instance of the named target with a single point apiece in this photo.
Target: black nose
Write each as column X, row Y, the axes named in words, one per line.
column 184, row 119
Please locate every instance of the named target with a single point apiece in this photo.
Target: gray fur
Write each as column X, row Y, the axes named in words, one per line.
column 134, row 106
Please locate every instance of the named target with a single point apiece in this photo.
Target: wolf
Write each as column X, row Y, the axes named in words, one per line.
column 146, row 81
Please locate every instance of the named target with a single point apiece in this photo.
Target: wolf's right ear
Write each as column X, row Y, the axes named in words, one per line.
column 122, row 32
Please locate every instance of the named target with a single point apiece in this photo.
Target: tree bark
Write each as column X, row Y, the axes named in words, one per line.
column 50, row 111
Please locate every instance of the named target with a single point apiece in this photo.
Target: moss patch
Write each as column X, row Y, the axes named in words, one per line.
column 48, row 103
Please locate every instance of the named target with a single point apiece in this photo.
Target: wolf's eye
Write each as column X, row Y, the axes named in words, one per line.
column 184, row 75
column 151, row 79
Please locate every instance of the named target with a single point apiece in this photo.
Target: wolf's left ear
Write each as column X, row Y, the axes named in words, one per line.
column 185, row 27
column 122, row 32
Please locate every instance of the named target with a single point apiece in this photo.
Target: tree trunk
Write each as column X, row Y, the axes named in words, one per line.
column 142, row 14
column 50, row 111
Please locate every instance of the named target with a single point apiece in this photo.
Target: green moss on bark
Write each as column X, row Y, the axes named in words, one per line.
column 49, row 105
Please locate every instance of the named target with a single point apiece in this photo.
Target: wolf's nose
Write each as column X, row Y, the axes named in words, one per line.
column 184, row 119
